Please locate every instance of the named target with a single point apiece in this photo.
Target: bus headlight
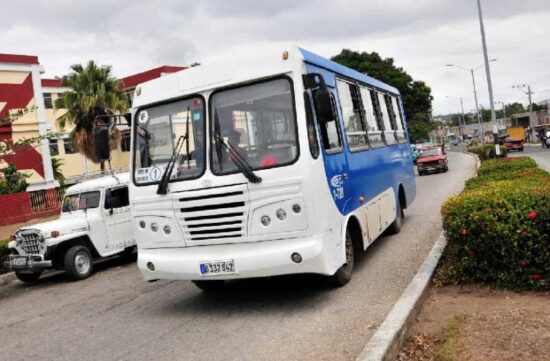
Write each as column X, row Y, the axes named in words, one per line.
column 281, row 214
column 154, row 227
column 167, row 229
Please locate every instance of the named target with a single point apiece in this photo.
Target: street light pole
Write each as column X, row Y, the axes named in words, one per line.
column 477, row 108
column 478, row 115
column 489, row 83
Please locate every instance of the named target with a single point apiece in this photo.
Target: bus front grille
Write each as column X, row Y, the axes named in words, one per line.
column 214, row 214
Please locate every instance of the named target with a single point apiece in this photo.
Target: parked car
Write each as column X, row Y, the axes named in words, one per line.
column 433, row 159
column 512, row 143
column 95, row 222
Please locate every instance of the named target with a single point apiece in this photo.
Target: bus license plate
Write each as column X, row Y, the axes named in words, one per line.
column 218, row 267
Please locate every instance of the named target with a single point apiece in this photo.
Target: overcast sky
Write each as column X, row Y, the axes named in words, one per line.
column 421, row 35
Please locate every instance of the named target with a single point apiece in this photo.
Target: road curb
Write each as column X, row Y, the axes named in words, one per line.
column 7, row 278
column 386, row 342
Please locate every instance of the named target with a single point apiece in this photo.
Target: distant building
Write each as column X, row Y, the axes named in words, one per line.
column 21, row 87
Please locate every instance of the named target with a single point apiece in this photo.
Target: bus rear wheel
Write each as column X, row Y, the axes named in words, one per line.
column 344, row 273
column 395, row 227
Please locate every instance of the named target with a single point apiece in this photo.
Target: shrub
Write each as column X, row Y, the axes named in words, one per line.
column 487, row 151
column 498, row 229
column 3, row 252
column 13, row 181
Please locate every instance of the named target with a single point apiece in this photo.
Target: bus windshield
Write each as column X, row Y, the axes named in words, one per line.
column 258, row 120
column 157, row 130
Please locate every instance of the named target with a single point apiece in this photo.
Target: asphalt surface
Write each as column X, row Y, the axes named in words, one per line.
column 114, row 315
column 539, row 154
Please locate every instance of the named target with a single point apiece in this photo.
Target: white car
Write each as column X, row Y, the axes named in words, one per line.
column 95, row 222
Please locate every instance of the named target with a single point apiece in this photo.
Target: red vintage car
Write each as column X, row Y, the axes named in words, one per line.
column 432, row 160
column 512, row 143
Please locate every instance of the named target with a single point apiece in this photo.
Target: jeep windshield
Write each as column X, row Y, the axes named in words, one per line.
column 77, row 201
column 157, row 131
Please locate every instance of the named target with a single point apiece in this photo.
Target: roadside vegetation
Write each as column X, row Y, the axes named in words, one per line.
column 498, row 228
column 486, row 151
column 3, row 253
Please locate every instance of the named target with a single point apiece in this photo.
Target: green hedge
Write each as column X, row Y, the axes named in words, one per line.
column 3, row 253
column 487, row 151
column 498, row 229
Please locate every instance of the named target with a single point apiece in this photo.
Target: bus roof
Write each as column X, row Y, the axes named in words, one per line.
column 251, row 66
column 315, row 59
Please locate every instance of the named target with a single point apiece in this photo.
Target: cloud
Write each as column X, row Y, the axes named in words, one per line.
column 421, row 35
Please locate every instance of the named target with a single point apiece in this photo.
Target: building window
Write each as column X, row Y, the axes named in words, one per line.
column 68, row 146
column 54, row 147
column 125, row 142
column 48, row 100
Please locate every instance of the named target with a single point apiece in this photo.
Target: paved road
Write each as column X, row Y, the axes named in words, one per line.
column 114, row 315
column 539, row 154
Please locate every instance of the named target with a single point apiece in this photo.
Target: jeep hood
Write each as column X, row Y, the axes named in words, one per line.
column 64, row 226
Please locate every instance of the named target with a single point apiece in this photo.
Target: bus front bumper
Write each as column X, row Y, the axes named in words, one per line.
column 254, row 259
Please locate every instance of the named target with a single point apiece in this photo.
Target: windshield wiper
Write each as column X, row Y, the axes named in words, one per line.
column 234, row 154
column 163, row 184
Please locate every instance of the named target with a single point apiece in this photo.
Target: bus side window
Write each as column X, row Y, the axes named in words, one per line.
column 392, row 115
column 351, row 111
column 388, row 132
column 311, row 132
column 370, row 112
column 400, row 132
column 330, row 131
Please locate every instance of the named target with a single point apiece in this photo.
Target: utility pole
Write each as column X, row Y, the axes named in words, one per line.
column 489, row 83
column 531, row 117
column 479, row 122
column 478, row 116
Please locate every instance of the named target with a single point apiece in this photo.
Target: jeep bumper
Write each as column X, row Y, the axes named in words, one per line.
column 27, row 263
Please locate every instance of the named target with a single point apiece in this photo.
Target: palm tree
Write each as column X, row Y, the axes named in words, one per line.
column 57, row 173
column 94, row 91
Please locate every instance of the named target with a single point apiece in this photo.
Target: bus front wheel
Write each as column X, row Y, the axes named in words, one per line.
column 344, row 273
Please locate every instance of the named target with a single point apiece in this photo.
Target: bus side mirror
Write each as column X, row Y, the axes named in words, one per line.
column 323, row 101
column 323, row 105
column 101, row 143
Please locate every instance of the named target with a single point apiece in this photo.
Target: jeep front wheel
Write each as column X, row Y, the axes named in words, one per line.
column 28, row 277
column 78, row 262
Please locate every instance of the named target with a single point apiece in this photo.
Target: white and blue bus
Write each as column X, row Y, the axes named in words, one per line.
column 279, row 164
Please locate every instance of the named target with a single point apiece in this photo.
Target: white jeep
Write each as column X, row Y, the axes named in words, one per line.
column 95, row 222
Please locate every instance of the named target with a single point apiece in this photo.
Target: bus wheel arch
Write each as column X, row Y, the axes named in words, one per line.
column 401, row 197
column 353, row 244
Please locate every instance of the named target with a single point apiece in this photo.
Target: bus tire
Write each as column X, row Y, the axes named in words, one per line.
column 343, row 274
column 209, row 286
column 395, row 227
column 78, row 263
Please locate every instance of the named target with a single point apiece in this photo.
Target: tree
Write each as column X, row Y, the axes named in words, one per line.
column 94, row 92
column 57, row 173
column 13, row 181
column 416, row 95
